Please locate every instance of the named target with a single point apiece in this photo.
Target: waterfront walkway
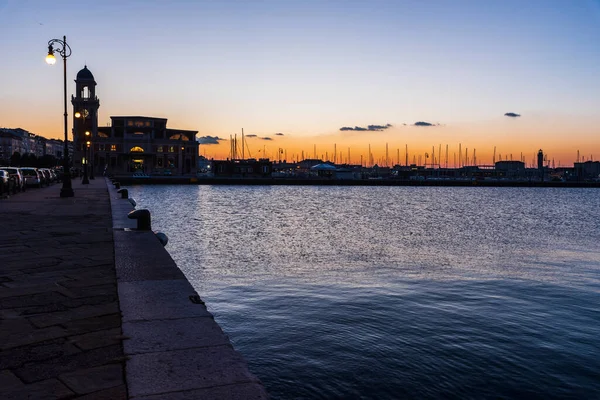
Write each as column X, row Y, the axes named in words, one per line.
column 60, row 323
column 90, row 309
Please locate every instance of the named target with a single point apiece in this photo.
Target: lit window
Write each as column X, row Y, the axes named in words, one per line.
column 139, row 123
column 113, row 147
column 159, row 149
column 136, row 149
column 148, row 123
column 172, row 149
column 129, row 123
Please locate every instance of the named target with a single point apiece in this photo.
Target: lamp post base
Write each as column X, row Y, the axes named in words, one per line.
column 67, row 189
column 67, row 192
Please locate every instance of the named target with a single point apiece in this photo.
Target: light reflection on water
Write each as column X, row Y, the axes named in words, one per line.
column 387, row 292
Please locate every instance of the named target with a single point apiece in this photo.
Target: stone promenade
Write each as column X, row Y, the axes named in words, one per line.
column 91, row 308
column 60, row 322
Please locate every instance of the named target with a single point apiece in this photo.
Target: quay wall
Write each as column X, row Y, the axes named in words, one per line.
column 174, row 349
column 129, row 180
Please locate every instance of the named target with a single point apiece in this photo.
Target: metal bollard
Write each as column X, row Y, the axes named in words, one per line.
column 117, row 185
column 162, row 238
column 124, row 193
column 133, row 202
column 143, row 219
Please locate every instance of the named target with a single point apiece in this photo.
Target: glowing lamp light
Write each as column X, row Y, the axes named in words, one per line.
column 87, row 133
column 50, row 59
column 88, row 143
column 77, row 114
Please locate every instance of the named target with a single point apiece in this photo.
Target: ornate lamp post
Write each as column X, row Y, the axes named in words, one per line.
column 65, row 51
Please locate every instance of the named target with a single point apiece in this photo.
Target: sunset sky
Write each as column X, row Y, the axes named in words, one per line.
column 305, row 69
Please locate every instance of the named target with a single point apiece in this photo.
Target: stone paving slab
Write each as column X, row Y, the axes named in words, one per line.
column 144, row 265
column 94, row 379
column 77, row 313
column 11, row 387
column 94, row 340
column 54, row 367
column 172, row 334
column 178, row 370
column 60, row 323
column 54, row 348
column 243, row 391
column 151, row 300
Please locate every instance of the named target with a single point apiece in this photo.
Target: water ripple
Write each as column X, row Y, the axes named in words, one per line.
column 385, row 293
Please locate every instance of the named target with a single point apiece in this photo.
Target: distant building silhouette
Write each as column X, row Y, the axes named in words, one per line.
column 510, row 169
column 85, row 116
column 131, row 143
column 588, row 170
column 145, row 144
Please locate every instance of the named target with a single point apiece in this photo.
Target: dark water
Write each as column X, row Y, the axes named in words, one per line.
column 400, row 292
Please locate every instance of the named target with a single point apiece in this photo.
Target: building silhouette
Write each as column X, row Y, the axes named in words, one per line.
column 131, row 144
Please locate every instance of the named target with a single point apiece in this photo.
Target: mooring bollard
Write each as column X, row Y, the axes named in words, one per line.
column 133, row 202
column 117, row 185
column 143, row 219
column 162, row 238
column 124, row 193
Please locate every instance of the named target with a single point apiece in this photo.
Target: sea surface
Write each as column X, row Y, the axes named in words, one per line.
column 396, row 292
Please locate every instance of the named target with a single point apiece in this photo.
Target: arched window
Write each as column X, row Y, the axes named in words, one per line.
column 85, row 92
column 136, row 149
column 178, row 136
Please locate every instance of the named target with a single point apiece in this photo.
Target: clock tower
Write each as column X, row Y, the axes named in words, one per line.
column 85, row 120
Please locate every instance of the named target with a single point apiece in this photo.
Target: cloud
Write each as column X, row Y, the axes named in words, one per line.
column 266, row 138
column 512, row 115
column 251, row 135
column 421, row 123
column 209, row 140
column 370, row 128
column 279, row 134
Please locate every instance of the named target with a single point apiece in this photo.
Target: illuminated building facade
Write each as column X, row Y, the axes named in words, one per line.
column 131, row 144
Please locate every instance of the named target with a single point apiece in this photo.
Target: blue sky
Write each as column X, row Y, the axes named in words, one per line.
column 308, row 68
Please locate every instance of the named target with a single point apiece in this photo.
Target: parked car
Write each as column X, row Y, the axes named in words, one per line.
column 8, row 184
column 46, row 177
column 53, row 175
column 32, row 177
column 16, row 173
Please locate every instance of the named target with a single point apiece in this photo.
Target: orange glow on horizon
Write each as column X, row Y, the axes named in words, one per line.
column 512, row 139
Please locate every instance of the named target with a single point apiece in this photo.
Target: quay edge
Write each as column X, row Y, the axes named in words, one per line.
column 182, row 180
column 174, row 348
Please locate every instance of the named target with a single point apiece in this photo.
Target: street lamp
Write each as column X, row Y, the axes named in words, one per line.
column 65, row 51
column 85, row 180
